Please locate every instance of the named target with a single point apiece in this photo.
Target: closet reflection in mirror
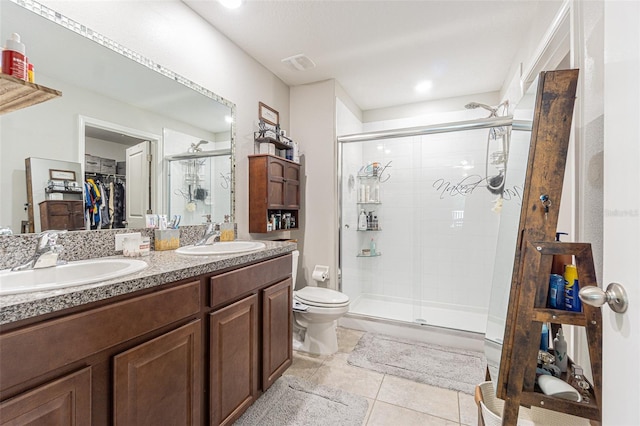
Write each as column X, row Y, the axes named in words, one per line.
column 508, row 233
column 111, row 90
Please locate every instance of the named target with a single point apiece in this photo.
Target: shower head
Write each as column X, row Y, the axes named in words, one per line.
column 492, row 110
column 196, row 147
column 474, row 105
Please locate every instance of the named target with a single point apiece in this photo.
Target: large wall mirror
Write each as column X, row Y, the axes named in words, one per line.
column 114, row 104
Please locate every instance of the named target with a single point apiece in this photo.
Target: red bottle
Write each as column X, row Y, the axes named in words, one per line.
column 14, row 61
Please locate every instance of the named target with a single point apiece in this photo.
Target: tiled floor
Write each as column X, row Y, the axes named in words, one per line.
column 392, row 400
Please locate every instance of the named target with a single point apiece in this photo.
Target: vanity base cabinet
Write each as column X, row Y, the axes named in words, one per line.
column 63, row 402
column 277, row 329
column 193, row 352
column 234, row 360
column 159, row 381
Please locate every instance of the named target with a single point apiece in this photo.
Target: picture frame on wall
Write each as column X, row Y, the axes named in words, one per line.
column 268, row 114
column 55, row 174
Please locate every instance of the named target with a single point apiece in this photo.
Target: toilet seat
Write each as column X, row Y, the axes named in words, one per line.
column 321, row 297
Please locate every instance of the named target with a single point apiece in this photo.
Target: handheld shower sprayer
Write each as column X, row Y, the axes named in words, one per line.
column 495, row 184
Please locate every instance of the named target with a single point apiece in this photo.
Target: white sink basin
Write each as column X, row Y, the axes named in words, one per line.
column 71, row 274
column 224, row 247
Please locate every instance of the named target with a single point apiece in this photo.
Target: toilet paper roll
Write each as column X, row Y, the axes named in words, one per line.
column 320, row 273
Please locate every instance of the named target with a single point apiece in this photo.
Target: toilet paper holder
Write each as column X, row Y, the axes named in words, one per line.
column 320, row 273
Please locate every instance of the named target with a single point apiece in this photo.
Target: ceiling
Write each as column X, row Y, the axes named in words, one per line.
column 379, row 50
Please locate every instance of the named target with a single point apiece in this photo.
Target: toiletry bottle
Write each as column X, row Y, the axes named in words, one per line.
column 14, row 61
column 572, row 288
column 560, row 351
column 560, row 260
column 372, row 247
column 362, row 221
column 556, row 291
column 544, row 337
column 376, row 191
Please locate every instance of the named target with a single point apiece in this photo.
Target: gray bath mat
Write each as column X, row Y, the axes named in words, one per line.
column 291, row 401
column 434, row 365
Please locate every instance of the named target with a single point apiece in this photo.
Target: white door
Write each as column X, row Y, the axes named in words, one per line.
column 621, row 332
column 138, row 189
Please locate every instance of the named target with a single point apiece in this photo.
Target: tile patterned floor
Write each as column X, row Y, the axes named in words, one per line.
column 390, row 398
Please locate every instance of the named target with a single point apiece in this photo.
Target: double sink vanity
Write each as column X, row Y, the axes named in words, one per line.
column 185, row 339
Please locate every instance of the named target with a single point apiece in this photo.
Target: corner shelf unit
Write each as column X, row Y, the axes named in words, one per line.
column 16, row 94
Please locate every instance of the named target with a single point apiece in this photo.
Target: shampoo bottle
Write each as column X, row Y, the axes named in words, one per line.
column 372, row 247
column 544, row 337
column 560, row 350
column 572, row 288
column 362, row 221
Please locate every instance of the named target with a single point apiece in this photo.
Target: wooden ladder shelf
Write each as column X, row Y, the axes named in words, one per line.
column 532, row 312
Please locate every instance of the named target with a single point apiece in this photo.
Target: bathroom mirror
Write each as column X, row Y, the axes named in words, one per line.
column 112, row 98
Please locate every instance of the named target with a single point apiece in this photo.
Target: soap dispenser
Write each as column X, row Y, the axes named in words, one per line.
column 227, row 229
column 362, row 221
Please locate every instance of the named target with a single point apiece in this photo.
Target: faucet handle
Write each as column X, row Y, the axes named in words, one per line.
column 49, row 238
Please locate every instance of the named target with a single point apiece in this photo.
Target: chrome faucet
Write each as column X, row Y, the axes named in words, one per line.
column 5, row 230
column 47, row 252
column 213, row 230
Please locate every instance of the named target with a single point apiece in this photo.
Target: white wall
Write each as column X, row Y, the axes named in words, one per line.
column 313, row 119
column 174, row 36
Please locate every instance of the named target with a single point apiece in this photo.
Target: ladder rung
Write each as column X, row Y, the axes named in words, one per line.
column 558, row 316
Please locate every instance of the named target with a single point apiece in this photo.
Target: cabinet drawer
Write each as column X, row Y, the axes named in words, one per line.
column 30, row 352
column 230, row 286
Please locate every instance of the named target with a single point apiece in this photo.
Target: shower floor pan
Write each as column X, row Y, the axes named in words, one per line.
column 456, row 317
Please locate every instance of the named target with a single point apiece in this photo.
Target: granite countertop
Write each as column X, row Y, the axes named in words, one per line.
column 164, row 267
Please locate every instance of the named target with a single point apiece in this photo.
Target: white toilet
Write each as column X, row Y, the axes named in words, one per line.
column 315, row 312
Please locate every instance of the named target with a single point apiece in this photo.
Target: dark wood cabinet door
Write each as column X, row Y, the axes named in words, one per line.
column 66, row 401
column 274, row 187
column 276, row 331
column 61, row 214
column 234, row 360
column 159, row 382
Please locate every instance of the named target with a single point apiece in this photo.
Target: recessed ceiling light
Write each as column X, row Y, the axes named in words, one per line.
column 231, row 4
column 424, row 86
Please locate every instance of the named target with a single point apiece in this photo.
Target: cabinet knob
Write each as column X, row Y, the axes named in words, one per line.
column 615, row 296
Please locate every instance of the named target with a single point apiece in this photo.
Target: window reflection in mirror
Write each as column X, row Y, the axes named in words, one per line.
column 508, row 231
column 100, row 85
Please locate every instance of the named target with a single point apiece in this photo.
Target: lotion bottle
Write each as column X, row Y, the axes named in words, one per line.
column 362, row 221
column 560, row 351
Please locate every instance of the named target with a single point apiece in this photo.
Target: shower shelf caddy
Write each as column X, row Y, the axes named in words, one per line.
column 365, row 198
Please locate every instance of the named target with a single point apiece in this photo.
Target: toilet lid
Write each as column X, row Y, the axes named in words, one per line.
column 320, row 296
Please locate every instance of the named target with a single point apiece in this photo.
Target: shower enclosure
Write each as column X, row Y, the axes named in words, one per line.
column 199, row 185
column 419, row 216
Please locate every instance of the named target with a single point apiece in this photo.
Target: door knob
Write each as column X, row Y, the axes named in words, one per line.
column 615, row 296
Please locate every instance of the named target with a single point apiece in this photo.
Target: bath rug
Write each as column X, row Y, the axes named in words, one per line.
column 434, row 365
column 292, row 401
